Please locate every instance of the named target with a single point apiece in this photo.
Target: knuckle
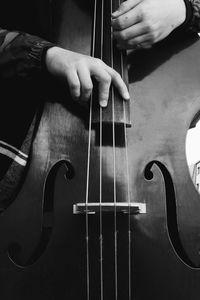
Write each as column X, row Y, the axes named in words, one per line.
column 120, row 23
column 87, row 89
column 145, row 12
column 99, row 62
column 122, row 35
column 81, row 61
column 67, row 67
column 145, row 9
column 141, row 13
column 75, row 88
column 131, row 42
column 147, row 26
column 107, row 80
column 152, row 37
column 123, row 6
column 116, row 76
column 104, row 95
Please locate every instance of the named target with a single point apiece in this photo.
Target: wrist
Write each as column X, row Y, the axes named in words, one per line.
column 47, row 56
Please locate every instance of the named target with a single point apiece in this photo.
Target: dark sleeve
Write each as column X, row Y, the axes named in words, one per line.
column 192, row 22
column 21, row 54
column 195, row 21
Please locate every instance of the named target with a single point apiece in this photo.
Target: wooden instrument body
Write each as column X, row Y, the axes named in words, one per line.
column 43, row 244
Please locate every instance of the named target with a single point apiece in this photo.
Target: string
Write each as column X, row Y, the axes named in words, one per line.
column 100, row 209
column 129, row 207
column 128, row 193
column 100, row 161
column 114, row 172
column 128, row 187
column 88, row 167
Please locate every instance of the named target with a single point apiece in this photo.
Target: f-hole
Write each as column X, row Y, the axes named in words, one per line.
column 15, row 249
column 172, row 224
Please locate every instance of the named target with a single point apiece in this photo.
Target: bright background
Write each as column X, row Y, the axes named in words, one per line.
column 193, row 144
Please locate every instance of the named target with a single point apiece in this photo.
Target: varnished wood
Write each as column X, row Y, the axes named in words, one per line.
column 43, row 244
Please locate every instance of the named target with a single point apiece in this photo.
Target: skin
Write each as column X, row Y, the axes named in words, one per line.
column 78, row 71
column 136, row 23
column 145, row 22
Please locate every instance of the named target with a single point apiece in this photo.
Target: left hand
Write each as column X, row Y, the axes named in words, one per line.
column 145, row 22
column 78, row 70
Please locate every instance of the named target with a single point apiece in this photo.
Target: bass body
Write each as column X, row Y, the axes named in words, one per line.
column 144, row 243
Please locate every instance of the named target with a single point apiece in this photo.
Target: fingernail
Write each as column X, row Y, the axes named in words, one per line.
column 103, row 103
column 115, row 13
column 126, row 96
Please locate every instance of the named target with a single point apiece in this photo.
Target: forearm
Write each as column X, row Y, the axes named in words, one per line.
column 21, row 54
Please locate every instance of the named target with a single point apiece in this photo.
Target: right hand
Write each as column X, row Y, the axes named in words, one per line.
column 145, row 22
column 78, row 70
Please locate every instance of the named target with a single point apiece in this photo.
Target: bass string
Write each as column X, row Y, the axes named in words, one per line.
column 114, row 171
column 86, row 206
column 127, row 176
column 129, row 206
column 128, row 184
column 88, row 165
column 100, row 162
column 100, row 165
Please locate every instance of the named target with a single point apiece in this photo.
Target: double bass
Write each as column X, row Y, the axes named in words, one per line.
column 108, row 209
